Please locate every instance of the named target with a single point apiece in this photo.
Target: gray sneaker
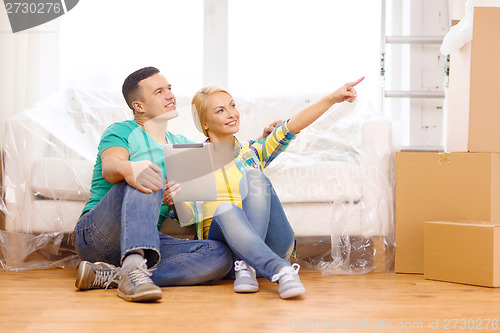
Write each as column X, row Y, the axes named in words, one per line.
column 136, row 285
column 289, row 281
column 245, row 280
column 97, row 275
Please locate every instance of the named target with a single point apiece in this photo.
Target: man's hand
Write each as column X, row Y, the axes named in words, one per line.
column 145, row 176
column 171, row 189
column 269, row 128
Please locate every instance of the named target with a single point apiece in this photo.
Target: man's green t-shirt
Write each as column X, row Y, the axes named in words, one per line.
column 140, row 145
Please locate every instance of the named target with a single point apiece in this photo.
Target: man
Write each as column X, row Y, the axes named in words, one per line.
column 118, row 226
column 119, row 223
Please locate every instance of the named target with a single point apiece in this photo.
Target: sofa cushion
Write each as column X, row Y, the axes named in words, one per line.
column 58, row 178
column 325, row 219
column 54, row 215
column 310, row 180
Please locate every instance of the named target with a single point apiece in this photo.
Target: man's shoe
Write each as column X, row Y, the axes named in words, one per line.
column 136, row 285
column 245, row 280
column 289, row 282
column 96, row 275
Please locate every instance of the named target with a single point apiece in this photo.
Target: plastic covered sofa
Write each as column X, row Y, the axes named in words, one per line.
column 334, row 180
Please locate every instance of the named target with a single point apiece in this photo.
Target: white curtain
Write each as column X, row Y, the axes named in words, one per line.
column 29, row 66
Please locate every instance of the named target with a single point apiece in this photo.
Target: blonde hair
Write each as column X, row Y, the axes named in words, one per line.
column 199, row 106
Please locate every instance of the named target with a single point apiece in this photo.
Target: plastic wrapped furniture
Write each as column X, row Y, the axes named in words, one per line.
column 335, row 184
column 333, row 181
column 49, row 152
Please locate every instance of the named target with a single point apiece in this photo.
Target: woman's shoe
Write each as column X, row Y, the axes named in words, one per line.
column 289, row 281
column 245, row 281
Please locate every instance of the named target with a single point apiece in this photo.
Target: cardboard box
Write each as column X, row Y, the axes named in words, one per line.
column 463, row 252
column 472, row 107
column 441, row 187
column 484, row 120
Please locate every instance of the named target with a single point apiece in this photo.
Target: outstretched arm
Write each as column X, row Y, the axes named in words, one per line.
column 307, row 116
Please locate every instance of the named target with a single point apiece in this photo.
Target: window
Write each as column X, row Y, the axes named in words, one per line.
column 274, row 46
column 298, row 46
column 104, row 41
column 416, row 67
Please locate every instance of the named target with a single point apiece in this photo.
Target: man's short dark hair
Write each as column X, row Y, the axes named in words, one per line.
column 131, row 89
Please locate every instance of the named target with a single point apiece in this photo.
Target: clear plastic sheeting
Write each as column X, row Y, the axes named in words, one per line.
column 21, row 251
column 334, row 180
column 48, row 156
column 335, row 184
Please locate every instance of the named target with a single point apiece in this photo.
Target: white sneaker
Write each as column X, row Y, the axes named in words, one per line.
column 289, row 281
column 245, row 280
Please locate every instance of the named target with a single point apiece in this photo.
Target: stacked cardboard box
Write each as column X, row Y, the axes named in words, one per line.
column 441, row 187
column 472, row 106
column 467, row 252
column 464, row 183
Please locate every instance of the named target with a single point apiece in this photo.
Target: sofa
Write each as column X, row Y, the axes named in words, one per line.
column 334, row 180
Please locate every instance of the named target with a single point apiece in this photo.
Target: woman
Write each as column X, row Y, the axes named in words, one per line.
column 247, row 214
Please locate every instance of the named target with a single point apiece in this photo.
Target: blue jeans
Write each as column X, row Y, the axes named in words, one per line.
column 259, row 233
column 126, row 219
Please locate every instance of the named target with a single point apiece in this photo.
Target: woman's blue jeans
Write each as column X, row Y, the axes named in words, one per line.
column 126, row 219
column 260, row 233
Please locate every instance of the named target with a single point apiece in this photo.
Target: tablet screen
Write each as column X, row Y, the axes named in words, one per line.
column 191, row 166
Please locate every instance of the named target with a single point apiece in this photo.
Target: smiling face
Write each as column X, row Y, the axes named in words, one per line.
column 222, row 119
column 157, row 99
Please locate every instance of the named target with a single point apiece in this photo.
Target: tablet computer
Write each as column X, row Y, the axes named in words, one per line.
column 192, row 166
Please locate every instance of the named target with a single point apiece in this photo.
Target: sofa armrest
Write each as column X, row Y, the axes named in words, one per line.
column 36, row 166
column 375, row 160
column 62, row 179
column 376, row 142
column 24, row 141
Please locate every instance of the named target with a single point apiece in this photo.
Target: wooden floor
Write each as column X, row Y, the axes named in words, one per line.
column 46, row 300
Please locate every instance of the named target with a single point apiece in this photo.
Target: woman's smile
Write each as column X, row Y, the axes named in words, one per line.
column 232, row 123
